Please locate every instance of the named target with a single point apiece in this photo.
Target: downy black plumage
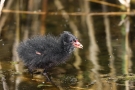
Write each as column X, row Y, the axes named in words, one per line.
column 47, row 51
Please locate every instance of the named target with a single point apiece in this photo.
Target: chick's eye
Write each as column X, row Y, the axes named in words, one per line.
column 74, row 40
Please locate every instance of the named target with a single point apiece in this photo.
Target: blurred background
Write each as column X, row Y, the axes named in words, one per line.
column 106, row 28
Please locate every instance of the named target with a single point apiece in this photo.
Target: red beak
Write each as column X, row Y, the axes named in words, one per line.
column 77, row 44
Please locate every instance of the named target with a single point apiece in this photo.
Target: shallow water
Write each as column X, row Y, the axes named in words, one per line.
column 105, row 63
column 97, row 66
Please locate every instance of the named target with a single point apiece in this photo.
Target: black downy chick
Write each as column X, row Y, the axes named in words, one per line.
column 44, row 52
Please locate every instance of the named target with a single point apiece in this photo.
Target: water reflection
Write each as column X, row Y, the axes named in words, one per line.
column 92, row 68
column 93, row 50
column 106, row 62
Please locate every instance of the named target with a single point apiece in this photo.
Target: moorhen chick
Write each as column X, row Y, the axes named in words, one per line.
column 44, row 52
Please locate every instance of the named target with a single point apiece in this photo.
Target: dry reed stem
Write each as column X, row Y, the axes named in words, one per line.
column 71, row 13
column 1, row 5
column 106, row 3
